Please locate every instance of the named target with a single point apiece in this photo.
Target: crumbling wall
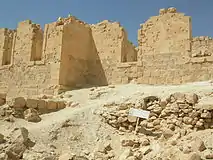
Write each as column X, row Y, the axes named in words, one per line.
column 202, row 46
column 168, row 53
column 168, row 32
column 28, row 42
column 171, row 68
column 27, row 74
column 113, row 48
column 127, row 72
column 6, row 39
column 128, row 51
column 26, row 80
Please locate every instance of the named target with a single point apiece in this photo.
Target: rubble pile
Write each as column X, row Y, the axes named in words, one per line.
column 2, row 99
column 30, row 109
column 14, row 145
column 178, row 111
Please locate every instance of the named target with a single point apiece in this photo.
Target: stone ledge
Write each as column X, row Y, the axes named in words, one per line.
column 127, row 64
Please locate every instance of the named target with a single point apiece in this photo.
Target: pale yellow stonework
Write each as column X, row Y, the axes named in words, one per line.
column 70, row 53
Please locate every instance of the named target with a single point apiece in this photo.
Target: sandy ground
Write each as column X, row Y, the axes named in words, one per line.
column 84, row 127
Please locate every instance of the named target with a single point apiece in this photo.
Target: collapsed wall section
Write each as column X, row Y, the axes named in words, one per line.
column 28, row 43
column 202, row 46
column 166, row 33
column 27, row 75
column 6, row 41
column 168, row 52
column 113, row 48
column 171, row 68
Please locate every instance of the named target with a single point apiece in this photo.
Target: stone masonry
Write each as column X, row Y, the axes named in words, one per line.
column 71, row 54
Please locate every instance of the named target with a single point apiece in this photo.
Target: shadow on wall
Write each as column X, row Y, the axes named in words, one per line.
column 96, row 75
column 80, row 64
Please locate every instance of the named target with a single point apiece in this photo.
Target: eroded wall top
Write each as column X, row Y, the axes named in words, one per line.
column 170, row 31
column 202, row 46
column 108, row 38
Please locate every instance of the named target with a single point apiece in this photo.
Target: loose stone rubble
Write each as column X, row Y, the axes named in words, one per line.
column 30, row 109
column 176, row 112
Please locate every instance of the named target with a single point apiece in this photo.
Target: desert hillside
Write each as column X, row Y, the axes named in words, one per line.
column 94, row 124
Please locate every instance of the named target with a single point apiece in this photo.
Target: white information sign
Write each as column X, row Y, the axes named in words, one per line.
column 139, row 113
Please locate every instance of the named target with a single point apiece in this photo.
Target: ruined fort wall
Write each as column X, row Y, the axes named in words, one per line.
column 113, row 48
column 26, row 44
column 27, row 74
column 202, row 46
column 171, row 68
column 128, row 51
column 168, row 32
column 76, row 51
column 6, row 39
column 168, row 52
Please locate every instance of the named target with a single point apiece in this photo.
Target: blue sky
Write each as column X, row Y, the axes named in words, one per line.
column 130, row 13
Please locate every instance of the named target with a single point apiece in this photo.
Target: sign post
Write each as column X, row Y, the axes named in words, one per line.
column 139, row 114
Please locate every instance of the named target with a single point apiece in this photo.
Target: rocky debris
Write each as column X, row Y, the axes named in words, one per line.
column 127, row 153
column 98, row 92
column 32, row 115
column 5, row 111
column 68, row 20
column 178, row 112
column 193, row 156
column 2, row 98
column 103, row 150
column 167, row 10
column 30, row 109
column 15, row 144
column 2, row 140
column 198, row 145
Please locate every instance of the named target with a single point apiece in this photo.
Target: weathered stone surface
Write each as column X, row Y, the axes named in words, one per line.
column 2, row 138
column 98, row 63
column 19, row 102
column 19, row 138
column 52, row 105
column 198, row 145
column 32, row 103
column 127, row 153
column 193, row 156
column 31, row 115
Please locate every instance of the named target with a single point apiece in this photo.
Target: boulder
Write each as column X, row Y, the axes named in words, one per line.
column 32, row 103
column 127, row 153
column 52, row 105
column 193, row 156
column 32, row 115
column 178, row 97
column 198, row 145
column 162, row 11
column 191, row 98
column 19, row 139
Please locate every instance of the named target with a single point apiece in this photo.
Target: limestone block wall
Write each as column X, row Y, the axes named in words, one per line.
column 80, row 64
column 6, row 41
column 127, row 72
column 171, row 68
column 27, row 42
column 26, row 80
column 113, row 48
column 170, row 31
column 202, row 46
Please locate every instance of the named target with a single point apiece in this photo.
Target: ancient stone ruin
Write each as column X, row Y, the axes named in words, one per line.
column 70, row 53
